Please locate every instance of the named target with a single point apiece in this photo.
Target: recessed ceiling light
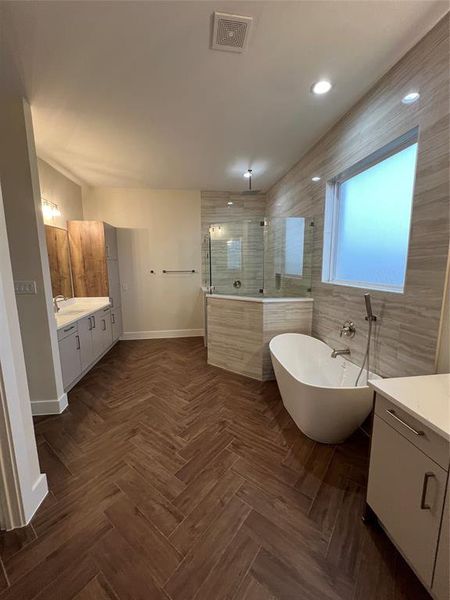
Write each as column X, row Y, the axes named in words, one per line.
column 321, row 87
column 248, row 173
column 315, row 178
column 230, row 203
column 410, row 98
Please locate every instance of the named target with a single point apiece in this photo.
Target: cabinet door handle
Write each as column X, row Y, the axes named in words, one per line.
column 113, row 318
column 78, row 341
column 104, row 324
column 93, row 322
column 90, row 323
column 394, row 416
column 426, row 479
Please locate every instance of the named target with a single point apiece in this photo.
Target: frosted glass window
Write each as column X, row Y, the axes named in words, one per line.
column 293, row 249
column 371, row 218
column 234, row 254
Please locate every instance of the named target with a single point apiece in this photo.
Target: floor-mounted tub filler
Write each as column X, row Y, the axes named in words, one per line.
column 319, row 391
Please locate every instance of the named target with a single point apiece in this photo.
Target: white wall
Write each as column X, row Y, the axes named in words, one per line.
column 23, row 487
column 62, row 191
column 158, row 229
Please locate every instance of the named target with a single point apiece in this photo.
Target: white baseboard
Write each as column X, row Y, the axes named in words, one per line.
column 49, row 407
column 164, row 333
column 38, row 493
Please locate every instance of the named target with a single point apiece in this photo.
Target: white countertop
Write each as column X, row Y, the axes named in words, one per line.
column 76, row 308
column 425, row 397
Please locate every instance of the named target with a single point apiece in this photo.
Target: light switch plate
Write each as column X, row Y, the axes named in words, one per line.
column 25, row 288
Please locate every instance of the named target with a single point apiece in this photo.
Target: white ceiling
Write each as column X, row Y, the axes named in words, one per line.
column 129, row 94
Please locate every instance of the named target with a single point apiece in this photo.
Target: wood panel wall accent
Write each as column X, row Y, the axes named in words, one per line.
column 59, row 261
column 239, row 332
column 407, row 328
column 88, row 258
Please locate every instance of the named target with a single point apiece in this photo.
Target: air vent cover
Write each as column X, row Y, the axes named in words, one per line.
column 230, row 32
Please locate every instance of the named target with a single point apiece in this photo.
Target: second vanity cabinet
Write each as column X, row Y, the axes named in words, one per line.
column 408, row 485
column 82, row 343
column 69, row 352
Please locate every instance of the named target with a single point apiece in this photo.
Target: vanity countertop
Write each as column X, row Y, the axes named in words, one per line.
column 425, row 397
column 74, row 309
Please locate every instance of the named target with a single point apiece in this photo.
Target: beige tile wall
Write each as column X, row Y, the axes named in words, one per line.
column 407, row 329
column 239, row 332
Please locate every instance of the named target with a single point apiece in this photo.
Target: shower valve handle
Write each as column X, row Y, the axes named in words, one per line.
column 348, row 329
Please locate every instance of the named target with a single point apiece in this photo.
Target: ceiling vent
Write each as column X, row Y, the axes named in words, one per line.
column 230, row 32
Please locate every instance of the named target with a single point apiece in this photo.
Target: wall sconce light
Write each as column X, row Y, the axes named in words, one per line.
column 50, row 209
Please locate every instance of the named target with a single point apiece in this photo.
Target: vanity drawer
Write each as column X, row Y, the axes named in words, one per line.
column 67, row 330
column 424, row 438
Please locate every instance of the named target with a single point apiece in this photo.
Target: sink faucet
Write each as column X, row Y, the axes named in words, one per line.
column 340, row 352
column 55, row 302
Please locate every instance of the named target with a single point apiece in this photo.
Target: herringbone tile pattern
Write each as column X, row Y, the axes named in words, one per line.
column 174, row 480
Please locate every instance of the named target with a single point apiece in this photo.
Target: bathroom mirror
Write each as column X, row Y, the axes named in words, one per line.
column 59, row 261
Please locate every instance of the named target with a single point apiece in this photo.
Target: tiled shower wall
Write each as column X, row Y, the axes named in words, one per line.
column 215, row 209
column 406, row 332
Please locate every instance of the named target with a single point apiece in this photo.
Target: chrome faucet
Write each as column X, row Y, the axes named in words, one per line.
column 55, row 302
column 340, row 352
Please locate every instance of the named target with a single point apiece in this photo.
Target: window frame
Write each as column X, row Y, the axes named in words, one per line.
column 333, row 212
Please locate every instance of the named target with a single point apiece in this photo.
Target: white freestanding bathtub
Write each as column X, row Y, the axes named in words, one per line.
column 319, row 391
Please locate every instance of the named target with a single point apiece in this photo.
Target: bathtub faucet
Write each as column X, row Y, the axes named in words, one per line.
column 340, row 352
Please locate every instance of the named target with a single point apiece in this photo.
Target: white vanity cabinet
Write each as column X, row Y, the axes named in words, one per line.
column 83, row 342
column 110, row 234
column 101, row 331
column 85, row 326
column 104, row 320
column 441, row 580
column 408, row 483
column 116, row 323
column 69, row 352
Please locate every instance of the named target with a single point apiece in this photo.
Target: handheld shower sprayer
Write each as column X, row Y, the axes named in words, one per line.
column 370, row 317
column 369, row 314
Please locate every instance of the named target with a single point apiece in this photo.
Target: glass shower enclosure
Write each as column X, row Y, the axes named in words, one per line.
column 260, row 256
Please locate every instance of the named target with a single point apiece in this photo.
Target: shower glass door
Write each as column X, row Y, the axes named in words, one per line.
column 237, row 257
column 288, row 249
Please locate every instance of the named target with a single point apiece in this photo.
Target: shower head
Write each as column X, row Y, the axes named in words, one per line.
column 250, row 191
column 369, row 314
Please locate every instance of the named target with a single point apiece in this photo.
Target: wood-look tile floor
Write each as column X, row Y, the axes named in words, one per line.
column 170, row 479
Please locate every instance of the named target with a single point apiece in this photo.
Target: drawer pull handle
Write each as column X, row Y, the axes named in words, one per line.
column 68, row 328
column 426, row 479
column 394, row 416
